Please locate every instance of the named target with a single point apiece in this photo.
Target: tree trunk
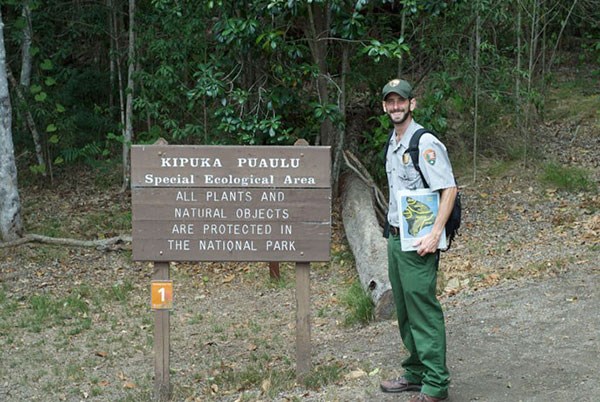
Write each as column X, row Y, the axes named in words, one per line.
column 317, row 32
column 517, row 97
column 119, row 72
column 25, row 78
column 534, row 35
column 24, row 84
column 476, row 94
column 558, row 38
column 402, row 30
column 338, row 149
column 30, row 122
column 367, row 244
column 10, row 204
column 112, row 53
column 129, row 107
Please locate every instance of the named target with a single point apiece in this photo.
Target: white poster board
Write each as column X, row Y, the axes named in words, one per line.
column 417, row 210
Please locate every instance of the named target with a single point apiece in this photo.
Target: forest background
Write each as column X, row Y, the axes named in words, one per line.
column 80, row 81
column 90, row 78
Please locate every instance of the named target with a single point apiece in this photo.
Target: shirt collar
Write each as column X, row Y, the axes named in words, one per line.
column 405, row 141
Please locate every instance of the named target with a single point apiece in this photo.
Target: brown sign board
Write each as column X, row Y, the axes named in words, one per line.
column 231, row 203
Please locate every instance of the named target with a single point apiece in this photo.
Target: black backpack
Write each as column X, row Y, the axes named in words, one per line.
column 453, row 223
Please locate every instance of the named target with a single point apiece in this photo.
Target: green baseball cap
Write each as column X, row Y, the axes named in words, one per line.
column 399, row 87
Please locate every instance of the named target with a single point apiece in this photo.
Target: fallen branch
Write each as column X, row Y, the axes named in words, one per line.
column 101, row 244
column 361, row 171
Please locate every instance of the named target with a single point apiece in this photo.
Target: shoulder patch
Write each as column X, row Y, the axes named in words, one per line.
column 429, row 156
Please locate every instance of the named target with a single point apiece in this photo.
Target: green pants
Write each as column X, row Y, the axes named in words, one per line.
column 420, row 317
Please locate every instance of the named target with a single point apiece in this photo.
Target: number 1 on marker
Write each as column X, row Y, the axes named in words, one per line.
column 162, row 295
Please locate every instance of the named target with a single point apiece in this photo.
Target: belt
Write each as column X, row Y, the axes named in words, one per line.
column 394, row 230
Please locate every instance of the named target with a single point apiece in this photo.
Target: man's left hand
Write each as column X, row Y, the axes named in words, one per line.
column 427, row 244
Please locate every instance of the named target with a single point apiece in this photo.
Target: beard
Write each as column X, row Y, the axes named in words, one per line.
column 399, row 119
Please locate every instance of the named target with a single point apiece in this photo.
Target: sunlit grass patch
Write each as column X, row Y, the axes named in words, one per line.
column 71, row 313
column 573, row 100
column 119, row 292
column 323, row 375
column 42, row 311
column 568, row 178
column 261, row 373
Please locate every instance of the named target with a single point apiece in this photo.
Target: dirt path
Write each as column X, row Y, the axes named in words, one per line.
column 535, row 342
column 528, row 341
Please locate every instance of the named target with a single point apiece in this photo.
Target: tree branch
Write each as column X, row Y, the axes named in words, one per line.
column 357, row 167
column 101, row 244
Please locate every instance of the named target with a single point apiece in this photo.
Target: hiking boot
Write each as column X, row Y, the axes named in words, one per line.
column 400, row 384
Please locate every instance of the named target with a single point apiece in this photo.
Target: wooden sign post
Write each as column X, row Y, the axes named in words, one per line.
column 230, row 203
column 162, row 342
column 303, row 349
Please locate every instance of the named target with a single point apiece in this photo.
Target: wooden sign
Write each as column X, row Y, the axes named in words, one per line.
column 230, row 166
column 220, row 203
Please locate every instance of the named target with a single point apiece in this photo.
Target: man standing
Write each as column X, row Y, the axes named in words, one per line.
column 413, row 274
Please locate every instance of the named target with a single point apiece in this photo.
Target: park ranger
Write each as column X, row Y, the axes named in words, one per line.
column 413, row 274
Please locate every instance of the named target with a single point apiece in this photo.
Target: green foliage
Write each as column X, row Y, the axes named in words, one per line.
column 212, row 72
column 88, row 153
column 372, row 145
column 568, row 178
column 360, row 306
column 591, row 51
column 67, row 85
column 391, row 50
column 432, row 110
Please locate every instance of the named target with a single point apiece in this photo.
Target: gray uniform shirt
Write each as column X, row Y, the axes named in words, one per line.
column 402, row 175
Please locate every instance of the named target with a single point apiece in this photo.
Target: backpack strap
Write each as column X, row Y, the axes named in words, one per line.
column 413, row 151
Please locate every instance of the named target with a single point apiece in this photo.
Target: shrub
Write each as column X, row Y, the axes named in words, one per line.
column 361, row 307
